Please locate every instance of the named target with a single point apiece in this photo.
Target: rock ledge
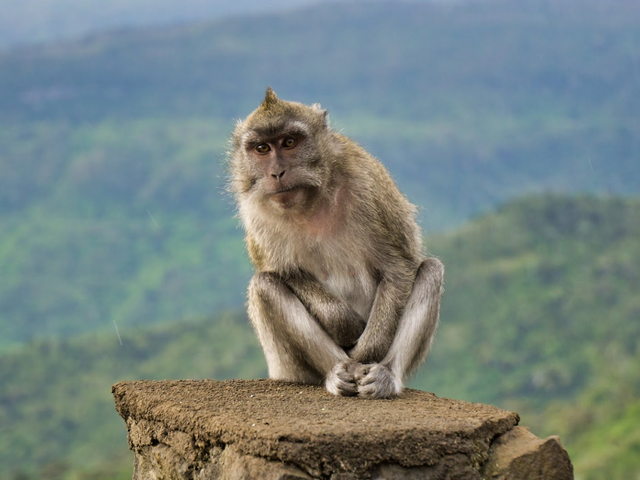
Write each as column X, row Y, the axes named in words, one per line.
column 246, row 429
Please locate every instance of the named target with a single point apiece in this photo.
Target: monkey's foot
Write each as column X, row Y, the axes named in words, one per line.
column 341, row 381
column 377, row 381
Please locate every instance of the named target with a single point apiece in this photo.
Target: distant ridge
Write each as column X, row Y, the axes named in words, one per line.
column 37, row 21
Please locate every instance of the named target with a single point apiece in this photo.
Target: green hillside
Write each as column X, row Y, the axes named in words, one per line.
column 112, row 148
column 527, row 280
column 540, row 315
column 56, row 408
column 98, row 227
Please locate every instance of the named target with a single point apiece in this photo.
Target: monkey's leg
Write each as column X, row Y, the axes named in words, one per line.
column 337, row 318
column 413, row 338
column 296, row 347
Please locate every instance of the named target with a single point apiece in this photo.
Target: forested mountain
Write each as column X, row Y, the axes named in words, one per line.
column 540, row 315
column 115, row 225
column 112, row 203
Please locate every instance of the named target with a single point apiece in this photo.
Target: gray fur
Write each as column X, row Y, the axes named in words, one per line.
column 342, row 294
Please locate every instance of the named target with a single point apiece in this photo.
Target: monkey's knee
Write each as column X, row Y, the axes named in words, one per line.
column 429, row 280
column 265, row 291
column 431, row 271
column 265, row 310
column 264, row 283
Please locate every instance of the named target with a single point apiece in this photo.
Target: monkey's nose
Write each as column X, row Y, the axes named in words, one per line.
column 278, row 176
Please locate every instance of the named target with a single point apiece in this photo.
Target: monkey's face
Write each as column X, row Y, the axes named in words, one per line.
column 282, row 175
column 277, row 157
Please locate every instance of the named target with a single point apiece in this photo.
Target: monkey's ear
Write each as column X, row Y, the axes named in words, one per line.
column 270, row 98
column 236, row 137
column 318, row 108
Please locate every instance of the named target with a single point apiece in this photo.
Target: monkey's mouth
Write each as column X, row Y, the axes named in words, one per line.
column 287, row 197
column 286, row 190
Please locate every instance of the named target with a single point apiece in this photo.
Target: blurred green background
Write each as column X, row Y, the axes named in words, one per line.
column 513, row 125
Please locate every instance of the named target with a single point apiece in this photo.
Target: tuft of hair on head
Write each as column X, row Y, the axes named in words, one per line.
column 277, row 113
column 270, row 99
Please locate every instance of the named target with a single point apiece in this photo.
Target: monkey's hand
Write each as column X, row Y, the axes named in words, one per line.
column 377, row 381
column 341, row 381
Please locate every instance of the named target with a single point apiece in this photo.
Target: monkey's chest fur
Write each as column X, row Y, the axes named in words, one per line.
column 334, row 254
column 339, row 265
column 350, row 279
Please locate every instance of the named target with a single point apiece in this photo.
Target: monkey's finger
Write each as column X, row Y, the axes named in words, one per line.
column 367, row 380
column 379, row 383
column 375, row 374
column 341, row 387
column 348, row 389
column 340, row 381
column 345, row 376
column 369, row 391
column 379, row 388
column 361, row 372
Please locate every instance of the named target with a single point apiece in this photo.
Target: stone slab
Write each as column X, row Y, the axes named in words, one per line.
column 197, row 426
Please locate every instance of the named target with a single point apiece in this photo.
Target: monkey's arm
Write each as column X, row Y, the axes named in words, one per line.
column 338, row 319
column 375, row 341
column 412, row 339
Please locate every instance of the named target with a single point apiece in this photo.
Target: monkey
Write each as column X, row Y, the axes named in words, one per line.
column 342, row 295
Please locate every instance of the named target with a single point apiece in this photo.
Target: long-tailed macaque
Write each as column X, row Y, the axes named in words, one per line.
column 343, row 294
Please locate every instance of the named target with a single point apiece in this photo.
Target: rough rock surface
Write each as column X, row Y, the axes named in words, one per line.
column 263, row 429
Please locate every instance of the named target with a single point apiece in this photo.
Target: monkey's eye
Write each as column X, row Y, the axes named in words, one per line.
column 263, row 148
column 289, row 142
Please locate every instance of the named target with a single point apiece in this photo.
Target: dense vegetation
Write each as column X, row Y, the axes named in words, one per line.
column 114, row 218
column 135, row 221
column 56, row 410
column 112, row 148
column 540, row 315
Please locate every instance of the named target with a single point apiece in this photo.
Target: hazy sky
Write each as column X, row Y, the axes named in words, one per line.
column 30, row 21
